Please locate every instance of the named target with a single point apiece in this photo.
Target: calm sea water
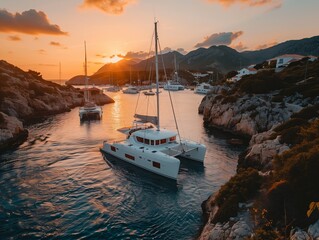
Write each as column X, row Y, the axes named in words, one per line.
column 58, row 185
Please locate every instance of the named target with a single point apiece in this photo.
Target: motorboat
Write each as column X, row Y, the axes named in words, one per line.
column 149, row 93
column 113, row 89
column 173, row 86
column 131, row 90
column 203, row 88
column 151, row 147
column 90, row 111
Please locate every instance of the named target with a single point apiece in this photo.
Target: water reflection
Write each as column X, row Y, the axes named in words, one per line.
column 57, row 185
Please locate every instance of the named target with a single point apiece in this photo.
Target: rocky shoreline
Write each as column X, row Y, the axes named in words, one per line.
column 241, row 208
column 26, row 98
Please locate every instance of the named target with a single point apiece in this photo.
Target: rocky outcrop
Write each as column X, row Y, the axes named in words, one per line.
column 256, row 117
column 25, row 97
column 248, row 115
column 12, row 132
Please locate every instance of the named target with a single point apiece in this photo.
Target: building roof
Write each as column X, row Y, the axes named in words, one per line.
column 296, row 56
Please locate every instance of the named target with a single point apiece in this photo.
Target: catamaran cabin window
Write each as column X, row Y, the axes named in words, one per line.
column 157, row 142
column 113, row 148
column 139, row 139
column 152, row 142
column 129, row 156
column 163, row 141
column 146, row 141
column 172, row 139
column 156, row 164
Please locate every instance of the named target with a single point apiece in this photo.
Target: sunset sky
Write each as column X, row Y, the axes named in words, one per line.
column 38, row 34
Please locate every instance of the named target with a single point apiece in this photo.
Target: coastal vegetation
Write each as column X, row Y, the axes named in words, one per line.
column 278, row 173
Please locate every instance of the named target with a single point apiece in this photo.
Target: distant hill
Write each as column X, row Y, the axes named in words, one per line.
column 215, row 58
column 306, row 46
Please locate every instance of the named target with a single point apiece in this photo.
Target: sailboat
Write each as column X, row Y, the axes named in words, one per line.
column 131, row 89
column 174, row 85
column 90, row 110
column 152, row 148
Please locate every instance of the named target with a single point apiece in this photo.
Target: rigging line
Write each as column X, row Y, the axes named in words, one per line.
column 138, row 98
column 149, row 52
column 170, row 98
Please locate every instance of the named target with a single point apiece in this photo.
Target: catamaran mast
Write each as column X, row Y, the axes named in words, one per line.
column 156, row 71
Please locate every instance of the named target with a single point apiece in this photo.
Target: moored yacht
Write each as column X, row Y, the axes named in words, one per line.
column 152, row 148
column 203, row 88
column 131, row 90
column 90, row 111
column 173, row 86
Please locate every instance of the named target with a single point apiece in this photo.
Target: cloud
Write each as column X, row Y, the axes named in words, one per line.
column 42, row 51
column 108, row 6
column 102, row 56
column 134, row 55
column 239, row 47
column 251, row 3
column 266, row 45
column 224, row 38
column 57, row 44
column 28, row 22
column 181, row 50
column 14, row 38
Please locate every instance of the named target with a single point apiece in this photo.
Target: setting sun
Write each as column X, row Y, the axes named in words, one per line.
column 112, row 59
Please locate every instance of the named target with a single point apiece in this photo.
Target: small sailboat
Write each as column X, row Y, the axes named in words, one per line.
column 174, row 85
column 90, row 111
column 131, row 89
column 152, row 148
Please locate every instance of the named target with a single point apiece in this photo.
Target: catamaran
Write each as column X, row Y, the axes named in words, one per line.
column 152, row 148
column 90, row 110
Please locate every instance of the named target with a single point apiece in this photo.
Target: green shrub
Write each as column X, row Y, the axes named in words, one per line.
column 239, row 188
column 228, row 209
column 292, row 122
column 307, row 113
column 298, row 167
column 277, row 98
column 229, row 99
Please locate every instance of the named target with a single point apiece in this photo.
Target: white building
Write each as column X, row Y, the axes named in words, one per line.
column 284, row 60
column 242, row 72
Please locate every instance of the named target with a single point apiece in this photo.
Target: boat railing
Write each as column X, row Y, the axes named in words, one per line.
column 177, row 150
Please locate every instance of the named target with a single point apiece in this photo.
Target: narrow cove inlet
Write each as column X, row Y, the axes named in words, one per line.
column 58, row 185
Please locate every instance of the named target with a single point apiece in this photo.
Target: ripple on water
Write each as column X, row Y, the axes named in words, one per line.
column 58, row 185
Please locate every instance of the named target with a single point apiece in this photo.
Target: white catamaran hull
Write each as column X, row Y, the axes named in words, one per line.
column 159, row 163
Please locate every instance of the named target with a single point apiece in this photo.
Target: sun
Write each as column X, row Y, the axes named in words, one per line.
column 113, row 59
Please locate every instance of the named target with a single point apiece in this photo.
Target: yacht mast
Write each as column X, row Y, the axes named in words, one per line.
column 156, row 71
column 85, row 75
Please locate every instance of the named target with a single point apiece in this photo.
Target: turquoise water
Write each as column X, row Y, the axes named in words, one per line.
column 58, row 185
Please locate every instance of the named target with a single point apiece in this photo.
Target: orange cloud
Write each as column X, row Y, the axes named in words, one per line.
column 14, row 38
column 42, row 51
column 224, row 38
column 134, row 55
column 239, row 47
column 266, row 45
column 28, row 22
column 251, row 3
column 108, row 6
column 55, row 44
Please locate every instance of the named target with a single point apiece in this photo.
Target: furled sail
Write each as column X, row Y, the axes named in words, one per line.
column 146, row 118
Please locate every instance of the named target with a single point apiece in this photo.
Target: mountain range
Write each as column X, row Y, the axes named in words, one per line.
column 220, row 59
